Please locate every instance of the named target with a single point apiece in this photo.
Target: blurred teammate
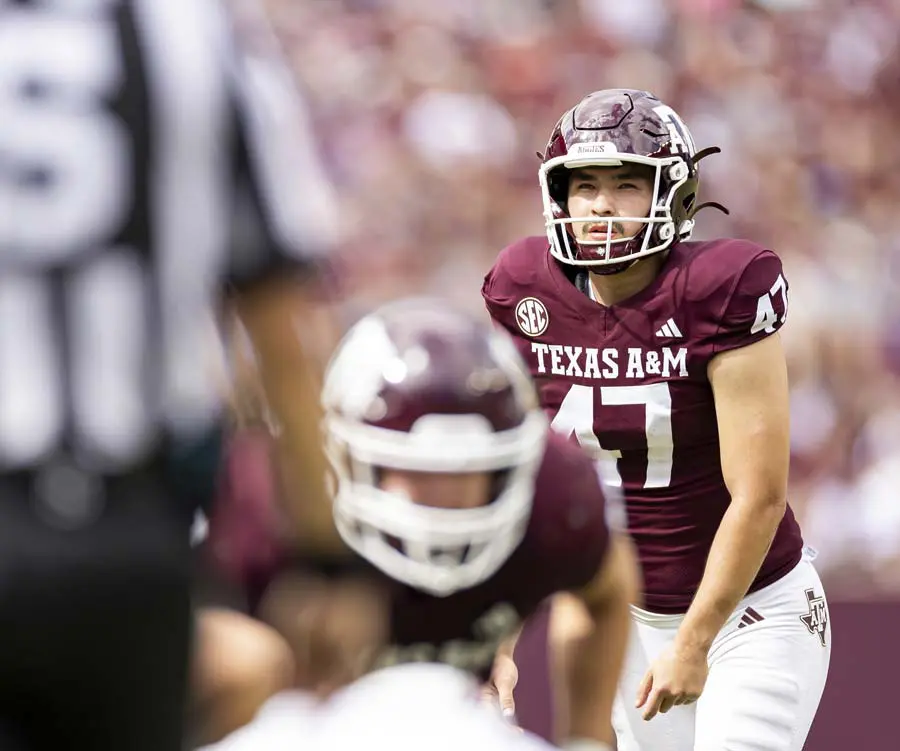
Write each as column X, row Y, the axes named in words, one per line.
column 149, row 169
column 469, row 515
column 404, row 708
column 662, row 358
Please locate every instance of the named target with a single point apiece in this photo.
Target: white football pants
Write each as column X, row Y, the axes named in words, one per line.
column 767, row 670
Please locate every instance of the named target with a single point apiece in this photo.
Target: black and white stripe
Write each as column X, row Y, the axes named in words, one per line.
column 145, row 161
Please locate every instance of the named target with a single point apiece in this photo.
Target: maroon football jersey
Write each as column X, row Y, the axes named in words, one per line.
column 563, row 548
column 629, row 383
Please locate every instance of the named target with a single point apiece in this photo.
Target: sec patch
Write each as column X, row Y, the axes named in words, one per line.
column 532, row 316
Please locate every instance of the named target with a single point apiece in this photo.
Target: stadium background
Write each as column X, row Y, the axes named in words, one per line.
column 430, row 113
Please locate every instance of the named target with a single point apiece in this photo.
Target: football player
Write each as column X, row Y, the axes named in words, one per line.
column 467, row 513
column 405, row 708
column 661, row 357
column 150, row 168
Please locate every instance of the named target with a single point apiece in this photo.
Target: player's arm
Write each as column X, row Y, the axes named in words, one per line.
column 750, row 388
column 289, row 373
column 587, row 638
column 592, row 649
column 284, row 225
column 748, row 377
column 499, row 690
column 238, row 664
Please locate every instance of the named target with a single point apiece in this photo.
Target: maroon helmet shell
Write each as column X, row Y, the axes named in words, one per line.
column 421, row 387
column 610, row 128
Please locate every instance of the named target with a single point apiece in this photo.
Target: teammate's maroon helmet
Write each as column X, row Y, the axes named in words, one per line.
column 611, row 128
column 418, row 386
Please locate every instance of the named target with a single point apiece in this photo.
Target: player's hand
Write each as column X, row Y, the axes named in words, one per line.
column 499, row 689
column 676, row 677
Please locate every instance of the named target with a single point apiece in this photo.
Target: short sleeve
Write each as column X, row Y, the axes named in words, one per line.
column 498, row 307
column 757, row 306
column 284, row 212
column 590, row 539
column 514, row 277
column 570, row 516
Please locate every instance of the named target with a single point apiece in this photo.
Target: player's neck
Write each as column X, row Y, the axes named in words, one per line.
column 611, row 289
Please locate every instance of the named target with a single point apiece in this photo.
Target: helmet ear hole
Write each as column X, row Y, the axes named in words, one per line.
column 558, row 185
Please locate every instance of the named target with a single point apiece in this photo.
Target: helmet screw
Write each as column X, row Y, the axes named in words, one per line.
column 678, row 171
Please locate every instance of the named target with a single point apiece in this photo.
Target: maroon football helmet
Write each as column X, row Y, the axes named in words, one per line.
column 611, row 128
column 418, row 386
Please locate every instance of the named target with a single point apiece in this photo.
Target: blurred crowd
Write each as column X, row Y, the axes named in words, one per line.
column 430, row 113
